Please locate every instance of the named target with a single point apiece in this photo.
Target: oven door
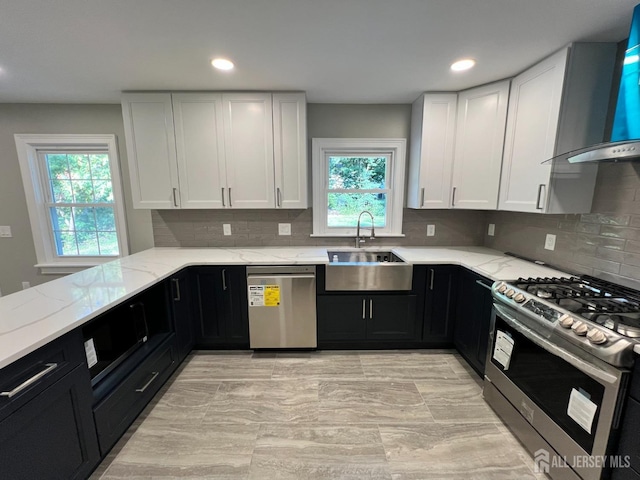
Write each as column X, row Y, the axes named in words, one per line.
column 572, row 402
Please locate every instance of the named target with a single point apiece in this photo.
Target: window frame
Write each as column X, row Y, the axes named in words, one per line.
column 322, row 148
column 29, row 148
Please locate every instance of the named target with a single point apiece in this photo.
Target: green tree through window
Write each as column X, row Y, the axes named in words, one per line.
column 82, row 204
column 357, row 184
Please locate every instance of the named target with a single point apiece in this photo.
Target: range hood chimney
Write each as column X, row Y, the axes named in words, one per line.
column 624, row 140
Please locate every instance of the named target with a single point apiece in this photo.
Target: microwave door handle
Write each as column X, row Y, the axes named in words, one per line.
column 550, row 347
column 139, row 306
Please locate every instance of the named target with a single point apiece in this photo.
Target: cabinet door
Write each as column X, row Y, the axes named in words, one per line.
column 290, row 150
column 181, row 313
column 391, row 317
column 532, row 126
column 341, row 317
column 248, row 146
column 53, row 435
column 433, row 118
column 480, row 126
column 151, row 150
column 200, row 149
column 220, row 307
column 473, row 316
column 439, row 314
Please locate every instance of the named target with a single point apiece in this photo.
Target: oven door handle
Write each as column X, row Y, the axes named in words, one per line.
column 554, row 349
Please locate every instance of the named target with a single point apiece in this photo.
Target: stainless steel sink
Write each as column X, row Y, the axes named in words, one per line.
column 362, row 270
column 359, row 256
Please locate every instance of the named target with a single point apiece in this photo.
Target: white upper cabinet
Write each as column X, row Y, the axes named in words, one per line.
column 290, row 150
column 229, row 150
column 248, row 146
column 433, row 123
column 557, row 105
column 480, row 127
column 200, row 149
column 151, row 150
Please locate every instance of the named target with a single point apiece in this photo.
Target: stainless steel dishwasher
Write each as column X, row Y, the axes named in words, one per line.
column 282, row 307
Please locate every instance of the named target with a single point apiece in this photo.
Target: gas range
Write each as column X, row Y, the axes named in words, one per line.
column 587, row 315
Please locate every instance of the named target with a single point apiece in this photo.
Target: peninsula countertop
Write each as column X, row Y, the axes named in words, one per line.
column 34, row 317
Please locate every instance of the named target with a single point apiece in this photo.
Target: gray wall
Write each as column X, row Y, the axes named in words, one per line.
column 605, row 243
column 202, row 228
column 17, row 254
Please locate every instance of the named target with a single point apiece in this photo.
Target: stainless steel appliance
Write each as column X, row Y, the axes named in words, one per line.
column 557, row 367
column 282, row 307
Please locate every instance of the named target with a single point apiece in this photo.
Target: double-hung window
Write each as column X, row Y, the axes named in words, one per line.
column 351, row 176
column 72, row 183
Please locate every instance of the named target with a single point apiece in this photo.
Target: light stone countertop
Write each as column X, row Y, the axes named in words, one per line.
column 34, row 317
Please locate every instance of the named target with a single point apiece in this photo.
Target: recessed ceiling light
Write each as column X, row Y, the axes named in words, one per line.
column 222, row 64
column 464, row 64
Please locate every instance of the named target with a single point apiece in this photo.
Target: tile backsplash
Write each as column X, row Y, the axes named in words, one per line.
column 604, row 243
column 251, row 228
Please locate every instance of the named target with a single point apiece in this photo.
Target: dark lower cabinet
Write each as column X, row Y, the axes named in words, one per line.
column 366, row 318
column 220, row 310
column 52, row 435
column 473, row 316
column 123, row 404
column 440, row 305
column 180, row 297
column 628, row 446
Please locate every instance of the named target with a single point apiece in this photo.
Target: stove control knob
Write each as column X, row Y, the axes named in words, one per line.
column 566, row 321
column 510, row 293
column 502, row 288
column 596, row 336
column 579, row 328
column 519, row 298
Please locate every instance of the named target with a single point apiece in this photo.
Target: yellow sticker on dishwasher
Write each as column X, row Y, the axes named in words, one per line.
column 271, row 295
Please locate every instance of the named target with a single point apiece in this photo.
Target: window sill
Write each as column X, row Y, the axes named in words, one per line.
column 65, row 268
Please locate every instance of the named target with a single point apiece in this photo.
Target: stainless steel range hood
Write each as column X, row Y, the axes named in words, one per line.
column 623, row 141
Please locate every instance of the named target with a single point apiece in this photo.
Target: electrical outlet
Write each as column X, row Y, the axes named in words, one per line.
column 226, row 228
column 284, row 229
column 550, row 242
column 431, row 230
column 5, row 231
column 26, row 285
column 492, row 229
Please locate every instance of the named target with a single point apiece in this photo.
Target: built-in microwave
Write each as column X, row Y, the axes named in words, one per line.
column 115, row 335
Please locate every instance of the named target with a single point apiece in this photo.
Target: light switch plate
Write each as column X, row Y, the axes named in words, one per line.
column 284, row 229
column 226, row 228
column 5, row 231
column 492, row 229
column 550, row 242
column 431, row 230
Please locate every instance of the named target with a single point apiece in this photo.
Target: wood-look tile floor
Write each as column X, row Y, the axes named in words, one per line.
column 393, row 415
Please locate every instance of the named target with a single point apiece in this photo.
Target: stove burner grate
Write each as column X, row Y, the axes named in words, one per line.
column 605, row 303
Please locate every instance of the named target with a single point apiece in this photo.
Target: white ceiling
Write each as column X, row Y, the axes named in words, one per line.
column 338, row 51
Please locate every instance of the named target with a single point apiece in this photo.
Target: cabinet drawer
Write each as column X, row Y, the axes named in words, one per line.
column 118, row 410
column 27, row 377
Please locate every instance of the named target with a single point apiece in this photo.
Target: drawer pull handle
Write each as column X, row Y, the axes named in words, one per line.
column 482, row 284
column 153, row 377
column 31, row 381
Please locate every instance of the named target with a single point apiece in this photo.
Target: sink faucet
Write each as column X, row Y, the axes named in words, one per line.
column 373, row 230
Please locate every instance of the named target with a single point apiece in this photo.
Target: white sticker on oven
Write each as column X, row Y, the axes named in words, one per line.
column 256, row 295
column 503, row 349
column 90, row 351
column 581, row 409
